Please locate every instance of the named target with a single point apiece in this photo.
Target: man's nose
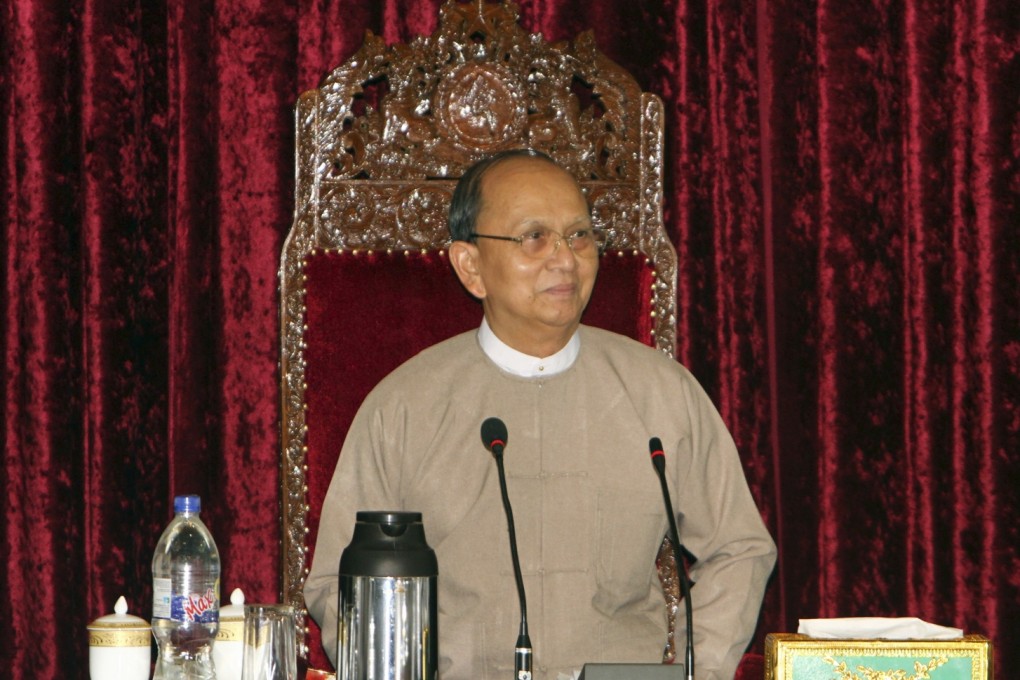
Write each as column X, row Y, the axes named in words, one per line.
column 563, row 255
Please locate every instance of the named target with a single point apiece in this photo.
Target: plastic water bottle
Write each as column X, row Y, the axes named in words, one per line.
column 185, row 595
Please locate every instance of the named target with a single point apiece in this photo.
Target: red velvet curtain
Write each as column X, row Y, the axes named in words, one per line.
column 843, row 188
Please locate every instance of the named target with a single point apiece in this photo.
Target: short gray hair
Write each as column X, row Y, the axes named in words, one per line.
column 467, row 197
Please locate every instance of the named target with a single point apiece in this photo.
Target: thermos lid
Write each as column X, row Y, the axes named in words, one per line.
column 391, row 517
column 388, row 543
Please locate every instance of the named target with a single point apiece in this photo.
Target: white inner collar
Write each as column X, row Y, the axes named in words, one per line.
column 525, row 365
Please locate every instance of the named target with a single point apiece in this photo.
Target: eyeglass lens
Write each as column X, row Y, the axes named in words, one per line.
column 543, row 242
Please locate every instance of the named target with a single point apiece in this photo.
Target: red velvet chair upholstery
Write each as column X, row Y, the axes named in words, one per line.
column 752, row 667
column 364, row 279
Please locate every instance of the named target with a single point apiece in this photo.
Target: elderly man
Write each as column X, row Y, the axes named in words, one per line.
column 580, row 405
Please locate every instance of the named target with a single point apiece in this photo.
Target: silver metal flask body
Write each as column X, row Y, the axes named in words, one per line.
column 388, row 609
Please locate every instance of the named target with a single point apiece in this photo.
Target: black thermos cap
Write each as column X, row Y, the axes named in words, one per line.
column 388, row 543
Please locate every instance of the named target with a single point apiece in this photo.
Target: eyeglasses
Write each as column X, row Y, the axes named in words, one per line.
column 542, row 243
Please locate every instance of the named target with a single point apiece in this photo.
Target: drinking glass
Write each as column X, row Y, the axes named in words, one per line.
column 270, row 643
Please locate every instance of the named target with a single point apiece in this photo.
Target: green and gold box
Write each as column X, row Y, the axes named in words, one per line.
column 799, row 657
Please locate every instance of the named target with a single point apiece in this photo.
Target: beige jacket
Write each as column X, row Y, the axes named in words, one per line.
column 587, row 507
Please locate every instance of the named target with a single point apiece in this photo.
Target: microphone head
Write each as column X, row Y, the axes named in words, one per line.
column 494, row 435
column 658, row 455
column 655, row 447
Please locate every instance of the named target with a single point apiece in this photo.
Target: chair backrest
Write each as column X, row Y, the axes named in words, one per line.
column 364, row 280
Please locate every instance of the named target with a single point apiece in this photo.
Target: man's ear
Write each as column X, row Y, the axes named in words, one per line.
column 464, row 258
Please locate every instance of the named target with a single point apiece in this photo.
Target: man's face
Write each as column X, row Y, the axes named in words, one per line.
column 533, row 305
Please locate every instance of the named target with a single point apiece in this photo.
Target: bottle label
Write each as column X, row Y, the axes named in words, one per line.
column 200, row 608
column 161, row 590
column 193, row 607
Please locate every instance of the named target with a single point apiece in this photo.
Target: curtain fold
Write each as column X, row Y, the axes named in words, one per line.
column 843, row 188
column 42, row 331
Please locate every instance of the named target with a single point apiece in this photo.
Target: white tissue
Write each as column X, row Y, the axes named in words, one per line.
column 871, row 628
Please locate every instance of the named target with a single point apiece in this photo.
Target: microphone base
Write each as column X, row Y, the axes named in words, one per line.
column 632, row 671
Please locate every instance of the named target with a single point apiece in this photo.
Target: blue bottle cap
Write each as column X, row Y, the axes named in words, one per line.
column 192, row 504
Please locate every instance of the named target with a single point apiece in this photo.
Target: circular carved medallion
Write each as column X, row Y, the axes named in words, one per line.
column 421, row 215
column 481, row 106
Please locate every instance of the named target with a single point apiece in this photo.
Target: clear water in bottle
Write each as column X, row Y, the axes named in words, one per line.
column 185, row 595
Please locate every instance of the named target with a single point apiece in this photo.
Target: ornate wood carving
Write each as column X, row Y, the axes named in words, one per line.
column 477, row 85
column 379, row 146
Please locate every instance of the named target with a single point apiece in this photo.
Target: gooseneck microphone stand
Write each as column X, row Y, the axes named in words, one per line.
column 494, row 435
column 659, row 461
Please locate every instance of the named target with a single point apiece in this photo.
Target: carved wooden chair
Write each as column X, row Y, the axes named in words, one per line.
column 379, row 148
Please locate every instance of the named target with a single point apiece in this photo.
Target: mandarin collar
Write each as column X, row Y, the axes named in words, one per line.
column 525, row 365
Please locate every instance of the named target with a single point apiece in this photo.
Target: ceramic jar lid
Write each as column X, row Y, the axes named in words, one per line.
column 120, row 629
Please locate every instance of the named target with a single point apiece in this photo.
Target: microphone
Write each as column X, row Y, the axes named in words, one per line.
column 494, row 436
column 659, row 461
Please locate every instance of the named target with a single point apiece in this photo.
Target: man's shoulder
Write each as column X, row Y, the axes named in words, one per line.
column 618, row 347
column 634, row 362
column 443, row 358
column 456, row 346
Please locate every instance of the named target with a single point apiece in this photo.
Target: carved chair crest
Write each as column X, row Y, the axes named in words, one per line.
column 380, row 144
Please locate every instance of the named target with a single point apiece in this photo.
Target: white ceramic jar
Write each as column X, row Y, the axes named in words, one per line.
column 120, row 646
column 228, row 650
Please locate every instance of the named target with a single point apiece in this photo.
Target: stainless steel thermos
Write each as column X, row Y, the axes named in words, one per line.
column 388, row 611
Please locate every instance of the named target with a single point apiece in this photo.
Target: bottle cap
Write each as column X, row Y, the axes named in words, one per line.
column 187, row 504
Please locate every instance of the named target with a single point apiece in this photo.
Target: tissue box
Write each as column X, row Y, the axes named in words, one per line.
column 799, row 657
